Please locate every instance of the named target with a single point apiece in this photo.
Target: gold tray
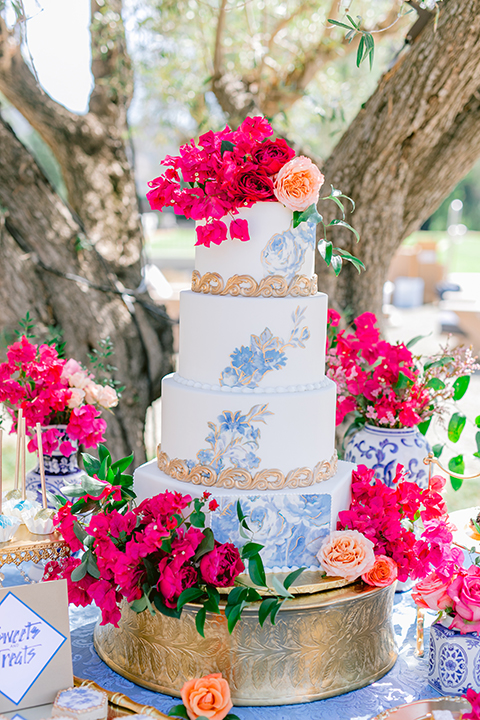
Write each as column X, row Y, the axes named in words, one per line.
column 423, row 709
column 26, row 546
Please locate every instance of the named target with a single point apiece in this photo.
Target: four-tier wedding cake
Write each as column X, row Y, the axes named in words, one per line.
column 250, row 414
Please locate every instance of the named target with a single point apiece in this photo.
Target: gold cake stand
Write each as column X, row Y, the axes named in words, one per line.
column 323, row 644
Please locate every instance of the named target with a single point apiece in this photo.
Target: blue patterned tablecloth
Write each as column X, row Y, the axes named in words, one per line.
column 406, row 682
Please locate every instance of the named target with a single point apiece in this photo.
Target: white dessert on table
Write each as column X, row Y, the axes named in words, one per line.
column 250, row 414
column 8, row 527
column 21, row 509
column 42, row 522
column 81, row 702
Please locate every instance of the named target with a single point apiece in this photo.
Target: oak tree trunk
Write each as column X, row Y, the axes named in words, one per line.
column 412, row 142
column 98, row 239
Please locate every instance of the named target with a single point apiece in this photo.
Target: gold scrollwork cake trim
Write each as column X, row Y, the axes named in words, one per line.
column 241, row 479
column 246, row 286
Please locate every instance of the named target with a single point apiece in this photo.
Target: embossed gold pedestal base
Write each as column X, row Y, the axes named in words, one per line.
column 322, row 644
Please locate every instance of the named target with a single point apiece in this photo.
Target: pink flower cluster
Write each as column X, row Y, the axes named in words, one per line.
column 474, row 700
column 455, row 592
column 151, row 541
column 382, row 514
column 229, row 170
column 53, row 391
column 378, row 380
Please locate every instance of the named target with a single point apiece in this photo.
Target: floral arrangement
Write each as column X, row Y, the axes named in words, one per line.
column 454, row 592
column 385, row 385
column 53, row 391
column 350, row 554
column 233, row 169
column 205, row 698
column 386, row 517
column 157, row 556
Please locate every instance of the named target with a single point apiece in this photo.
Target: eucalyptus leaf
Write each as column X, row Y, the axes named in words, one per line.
column 79, row 572
column 139, row 605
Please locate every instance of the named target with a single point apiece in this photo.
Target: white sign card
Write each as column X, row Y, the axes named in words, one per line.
column 35, row 648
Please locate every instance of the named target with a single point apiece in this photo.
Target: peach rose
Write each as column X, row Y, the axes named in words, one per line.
column 347, row 554
column 76, row 397
column 383, row 573
column 297, row 183
column 91, row 389
column 106, row 396
column 208, row 696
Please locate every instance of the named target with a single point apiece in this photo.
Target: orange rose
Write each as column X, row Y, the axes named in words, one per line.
column 347, row 554
column 208, row 696
column 383, row 573
column 297, row 184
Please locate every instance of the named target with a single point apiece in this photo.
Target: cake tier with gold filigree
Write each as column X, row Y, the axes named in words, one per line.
column 250, row 414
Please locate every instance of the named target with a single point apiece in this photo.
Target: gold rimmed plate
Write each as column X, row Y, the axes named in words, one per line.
column 465, row 535
column 424, row 709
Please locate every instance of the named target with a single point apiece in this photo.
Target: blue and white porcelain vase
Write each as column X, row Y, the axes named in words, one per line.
column 454, row 660
column 384, row 448
column 60, row 469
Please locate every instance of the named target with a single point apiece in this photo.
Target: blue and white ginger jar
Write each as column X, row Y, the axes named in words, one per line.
column 454, row 660
column 384, row 448
column 60, row 470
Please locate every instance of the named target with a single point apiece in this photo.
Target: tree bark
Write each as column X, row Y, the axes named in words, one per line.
column 39, row 232
column 412, row 142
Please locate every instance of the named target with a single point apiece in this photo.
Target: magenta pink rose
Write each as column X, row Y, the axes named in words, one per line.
column 464, row 592
column 272, row 155
column 174, row 580
column 347, row 554
column 298, row 183
column 239, row 230
column 431, row 592
column 221, row 566
column 252, row 185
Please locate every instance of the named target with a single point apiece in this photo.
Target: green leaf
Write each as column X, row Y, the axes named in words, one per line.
column 455, row 426
column 438, row 449
column 311, row 213
column 80, row 571
column 178, row 711
column 200, row 618
column 188, row 595
column 212, row 604
column 279, row 589
column 250, row 549
column 292, row 577
column 477, row 421
column 92, row 566
column 91, row 464
column 342, row 223
column 403, row 381
column 416, row 339
column 274, row 613
column 79, row 531
column 356, row 262
column 119, row 466
column 231, row 716
column 265, row 609
column 238, row 594
column 423, row 426
column 460, row 386
column 339, row 24
column 161, row 607
column 234, row 616
column 456, row 465
column 104, row 454
column 370, row 48
column 257, row 571
column 325, row 248
column 226, row 146
column 477, row 440
column 167, row 545
column 438, row 363
column 353, row 22
column 435, row 383
column 336, row 264
column 361, row 50
column 197, row 519
column 139, row 605
column 253, row 595
column 206, row 546
column 241, row 517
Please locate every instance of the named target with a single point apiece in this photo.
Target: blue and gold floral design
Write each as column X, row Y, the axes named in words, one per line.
column 284, row 253
column 249, row 364
column 291, row 527
column 234, row 441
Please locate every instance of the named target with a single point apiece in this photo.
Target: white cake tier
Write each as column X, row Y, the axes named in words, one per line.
column 274, row 248
column 252, row 342
column 291, row 524
column 285, row 429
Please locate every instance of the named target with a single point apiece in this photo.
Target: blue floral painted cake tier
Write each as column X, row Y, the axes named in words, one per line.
column 290, row 526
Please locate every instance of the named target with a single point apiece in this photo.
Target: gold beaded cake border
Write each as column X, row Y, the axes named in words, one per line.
column 241, row 479
column 272, row 286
